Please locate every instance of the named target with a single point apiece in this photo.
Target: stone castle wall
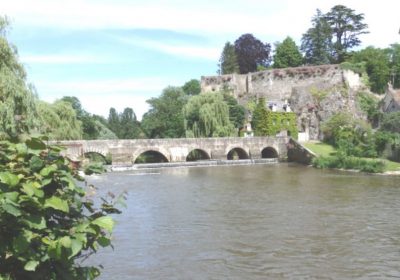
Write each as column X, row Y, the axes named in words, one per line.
column 315, row 93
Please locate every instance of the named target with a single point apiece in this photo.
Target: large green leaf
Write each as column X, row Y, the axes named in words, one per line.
column 32, row 188
column 11, row 209
column 36, row 163
column 48, row 169
column 57, row 203
column 9, row 179
column 35, row 221
column 35, row 144
column 104, row 222
column 76, row 247
column 31, row 265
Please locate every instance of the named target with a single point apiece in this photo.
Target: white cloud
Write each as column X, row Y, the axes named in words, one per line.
column 176, row 48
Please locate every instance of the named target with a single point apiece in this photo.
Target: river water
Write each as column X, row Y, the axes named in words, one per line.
column 278, row 221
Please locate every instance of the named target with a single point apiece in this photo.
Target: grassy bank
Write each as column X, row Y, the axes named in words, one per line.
column 327, row 158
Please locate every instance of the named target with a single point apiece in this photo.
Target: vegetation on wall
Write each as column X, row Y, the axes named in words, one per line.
column 268, row 123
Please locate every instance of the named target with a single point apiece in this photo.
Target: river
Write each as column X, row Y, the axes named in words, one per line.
column 278, row 221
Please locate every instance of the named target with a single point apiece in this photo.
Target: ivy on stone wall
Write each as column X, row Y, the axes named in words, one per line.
column 268, row 123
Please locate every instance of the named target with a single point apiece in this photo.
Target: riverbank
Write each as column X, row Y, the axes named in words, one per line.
column 327, row 151
column 144, row 166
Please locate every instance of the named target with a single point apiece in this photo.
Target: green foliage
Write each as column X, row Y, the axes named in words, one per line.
column 192, row 87
column 352, row 137
column 47, row 222
column 370, row 105
column 391, row 122
column 268, row 123
column 287, row 54
column 207, row 115
column 251, row 53
column 318, row 94
column 332, row 36
column 345, row 26
column 228, row 62
column 316, row 43
column 58, row 121
column 124, row 125
column 394, row 55
column 349, row 162
column 17, row 97
column 236, row 111
column 165, row 118
column 377, row 66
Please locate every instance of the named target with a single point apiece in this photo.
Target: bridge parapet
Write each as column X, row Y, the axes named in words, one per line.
column 125, row 152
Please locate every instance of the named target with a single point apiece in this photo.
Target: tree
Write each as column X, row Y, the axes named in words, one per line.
column 207, row 115
column 129, row 125
column 345, row 26
column 394, row 54
column 113, row 121
column 58, row 121
column 89, row 126
column 17, row 97
column 228, row 62
column 192, row 87
column 165, row 117
column 236, row 111
column 287, row 54
column 316, row 43
column 377, row 66
column 251, row 53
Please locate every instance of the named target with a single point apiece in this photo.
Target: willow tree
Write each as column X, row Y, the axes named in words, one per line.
column 58, row 121
column 17, row 98
column 207, row 115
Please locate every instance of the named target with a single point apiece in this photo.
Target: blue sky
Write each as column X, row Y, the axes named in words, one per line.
column 119, row 53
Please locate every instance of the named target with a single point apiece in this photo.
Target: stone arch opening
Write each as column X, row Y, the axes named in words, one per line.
column 197, row 154
column 237, row 153
column 151, row 156
column 269, row 152
column 97, row 157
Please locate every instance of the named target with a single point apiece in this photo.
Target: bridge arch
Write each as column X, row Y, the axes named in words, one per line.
column 164, row 154
column 197, row 154
column 96, row 157
column 237, row 153
column 269, row 152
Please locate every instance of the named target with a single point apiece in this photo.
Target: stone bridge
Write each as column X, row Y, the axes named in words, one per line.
column 126, row 152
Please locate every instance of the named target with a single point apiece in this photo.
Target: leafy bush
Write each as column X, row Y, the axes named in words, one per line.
column 47, row 222
column 346, row 162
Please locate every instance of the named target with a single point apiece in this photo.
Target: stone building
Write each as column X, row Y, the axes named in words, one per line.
column 314, row 93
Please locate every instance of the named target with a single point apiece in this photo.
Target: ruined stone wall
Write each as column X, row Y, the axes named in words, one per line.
column 315, row 93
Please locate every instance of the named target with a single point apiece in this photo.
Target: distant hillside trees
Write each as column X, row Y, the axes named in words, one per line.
column 287, row 54
column 124, row 125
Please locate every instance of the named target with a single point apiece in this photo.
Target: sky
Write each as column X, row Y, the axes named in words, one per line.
column 120, row 53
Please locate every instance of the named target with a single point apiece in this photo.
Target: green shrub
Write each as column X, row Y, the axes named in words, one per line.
column 345, row 162
column 47, row 222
